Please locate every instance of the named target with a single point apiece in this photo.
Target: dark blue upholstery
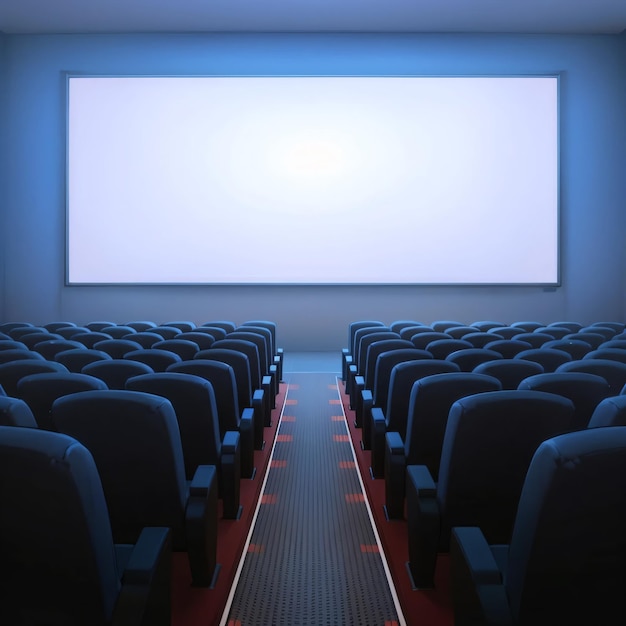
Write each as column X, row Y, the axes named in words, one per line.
column 613, row 371
column 231, row 415
column 135, row 441
column 40, row 391
column 609, row 412
column 576, row 348
column 594, row 339
column 141, row 325
column 11, row 372
column 489, row 442
column 196, row 412
column 227, row 325
column 479, row 339
column 75, row 360
column 11, row 344
column 510, row 372
column 59, row 563
column 468, row 358
column 441, row 348
column 90, row 338
column 116, row 372
column 611, row 354
column 565, row 562
column 144, row 338
column 50, row 348
column 201, row 339
column 429, row 404
column 258, row 399
column 586, row 391
column 158, row 360
column 117, row 331
column 15, row 412
column 117, row 348
column 549, row 358
column 19, row 354
column 508, row 348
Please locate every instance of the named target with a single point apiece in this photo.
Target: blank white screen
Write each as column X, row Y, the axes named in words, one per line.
column 312, row 180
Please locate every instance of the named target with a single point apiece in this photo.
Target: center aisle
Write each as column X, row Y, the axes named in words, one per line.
column 313, row 557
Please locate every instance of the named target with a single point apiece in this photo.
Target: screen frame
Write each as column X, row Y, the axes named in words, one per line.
column 547, row 285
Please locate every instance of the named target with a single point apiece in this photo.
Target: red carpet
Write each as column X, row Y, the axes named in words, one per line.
column 192, row 606
column 430, row 607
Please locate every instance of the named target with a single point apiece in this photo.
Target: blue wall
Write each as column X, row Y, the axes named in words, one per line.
column 593, row 185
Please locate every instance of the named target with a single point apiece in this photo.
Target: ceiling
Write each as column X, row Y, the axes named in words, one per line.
column 425, row 16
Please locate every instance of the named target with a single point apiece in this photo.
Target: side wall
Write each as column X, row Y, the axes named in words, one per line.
column 593, row 185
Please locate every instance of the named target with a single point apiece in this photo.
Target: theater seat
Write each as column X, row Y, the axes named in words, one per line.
column 489, row 442
column 135, row 441
column 59, row 562
column 565, row 562
column 196, row 412
column 10, row 373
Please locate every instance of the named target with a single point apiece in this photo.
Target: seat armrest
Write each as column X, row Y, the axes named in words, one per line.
column 422, row 481
column 262, row 417
column 474, row 549
column 145, row 594
column 395, row 445
column 202, row 480
column 246, row 433
column 478, row 594
column 230, row 443
column 150, row 546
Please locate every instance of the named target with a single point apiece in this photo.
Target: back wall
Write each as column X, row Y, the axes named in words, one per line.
column 32, row 180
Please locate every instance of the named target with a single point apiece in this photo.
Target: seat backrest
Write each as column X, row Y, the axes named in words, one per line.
column 611, row 411
column 549, row 358
column 117, row 348
column 489, row 441
column 158, row 360
column 441, row 348
column 484, row 325
column 166, row 332
column 227, row 325
column 566, row 559
column 362, row 332
column 611, row 354
column 509, row 332
column 353, row 327
column 576, row 348
column 117, row 331
column 468, row 358
column 182, row 325
column 184, row 348
column 408, row 331
column 15, row 412
column 376, row 348
column 222, row 378
column 421, row 340
column 69, row 332
column 429, row 406
column 75, row 360
column 401, row 382
column 144, row 338
column 385, row 362
column 249, row 349
column 19, row 354
column 508, row 348
column 32, row 339
column 215, row 331
column 135, row 441
column 11, row 344
column 592, row 338
column 270, row 325
column 90, row 338
column 556, row 332
column 116, row 372
column 613, row 371
column 586, row 391
column 49, row 349
column 54, row 529
column 260, row 342
column 264, row 332
column 40, row 391
column 141, row 325
column 510, row 372
column 196, row 412
column 441, row 326
column 397, row 325
column 241, row 366
column 10, row 373
column 527, row 326
column 479, row 339
column 536, row 340
column 201, row 339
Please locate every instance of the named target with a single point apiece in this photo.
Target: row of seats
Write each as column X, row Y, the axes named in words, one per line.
column 453, row 446
column 152, row 451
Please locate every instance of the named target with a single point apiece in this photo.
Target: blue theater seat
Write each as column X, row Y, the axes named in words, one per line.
column 135, row 441
column 565, row 561
column 60, row 564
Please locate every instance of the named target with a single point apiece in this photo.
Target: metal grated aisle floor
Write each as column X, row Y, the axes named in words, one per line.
column 313, row 557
